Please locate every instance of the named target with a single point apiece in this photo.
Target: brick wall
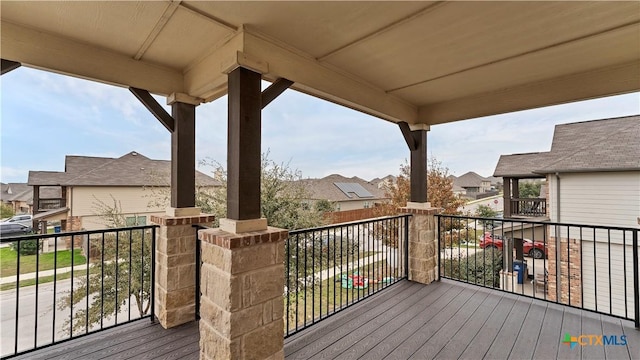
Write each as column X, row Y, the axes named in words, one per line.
column 570, row 271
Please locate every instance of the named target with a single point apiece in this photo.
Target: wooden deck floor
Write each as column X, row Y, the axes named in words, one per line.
column 446, row 320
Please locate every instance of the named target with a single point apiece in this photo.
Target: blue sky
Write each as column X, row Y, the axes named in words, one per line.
column 46, row 116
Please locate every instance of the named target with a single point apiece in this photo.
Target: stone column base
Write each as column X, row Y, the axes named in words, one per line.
column 242, row 282
column 175, row 291
column 423, row 243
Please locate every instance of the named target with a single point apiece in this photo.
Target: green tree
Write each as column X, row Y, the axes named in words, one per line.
column 439, row 190
column 6, row 211
column 485, row 211
column 283, row 198
column 119, row 274
column 439, row 194
column 324, row 205
column 529, row 189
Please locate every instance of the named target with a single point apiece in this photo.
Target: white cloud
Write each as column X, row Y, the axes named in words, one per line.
column 63, row 115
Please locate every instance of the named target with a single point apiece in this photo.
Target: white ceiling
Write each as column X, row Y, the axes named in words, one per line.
column 420, row 62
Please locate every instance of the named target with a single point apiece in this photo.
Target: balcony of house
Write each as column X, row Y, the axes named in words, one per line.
column 417, row 285
column 528, row 207
column 51, row 204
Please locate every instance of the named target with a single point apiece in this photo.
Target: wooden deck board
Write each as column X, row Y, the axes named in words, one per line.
column 483, row 339
column 548, row 342
column 477, row 320
column 394, row 339
column 525, row 342
column 442, row 320
column 415, row 338
column 501, row 348
column 354, row 343
column 592, row 325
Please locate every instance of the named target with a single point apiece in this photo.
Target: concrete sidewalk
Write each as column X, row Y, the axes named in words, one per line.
column 28, row 276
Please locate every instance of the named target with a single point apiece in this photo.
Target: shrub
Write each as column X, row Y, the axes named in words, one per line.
column 482, row 268
column 26, row 247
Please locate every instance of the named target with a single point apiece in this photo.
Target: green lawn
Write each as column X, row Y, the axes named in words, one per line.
column 330, row 296
column 47, row 261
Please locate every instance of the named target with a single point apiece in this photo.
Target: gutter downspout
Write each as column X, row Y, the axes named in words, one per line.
column 558, row 242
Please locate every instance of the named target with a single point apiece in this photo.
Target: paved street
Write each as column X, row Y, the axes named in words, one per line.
column 27, row 320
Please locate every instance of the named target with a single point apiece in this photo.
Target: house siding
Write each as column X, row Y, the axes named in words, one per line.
column 133, row 200
column 607, row 199
column 604, row 198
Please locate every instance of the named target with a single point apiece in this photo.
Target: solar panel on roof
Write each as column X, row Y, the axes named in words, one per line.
column 353, row 188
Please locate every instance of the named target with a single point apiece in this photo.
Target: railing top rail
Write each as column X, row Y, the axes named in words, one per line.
column 351, row 223
column 540, row 222
column 526, row 199
column 9, row 239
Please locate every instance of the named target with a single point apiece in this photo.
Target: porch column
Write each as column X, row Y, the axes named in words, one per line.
column 183, row 152
column 515, row 193
column 416, row 138
column 175, row 287
column 423, row 243
column 506, row 196
column 242, row 277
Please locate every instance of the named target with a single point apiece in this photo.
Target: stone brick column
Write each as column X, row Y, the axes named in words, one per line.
column 176, row 265
column 570, row 270
column 423, row 243
column 242, row 282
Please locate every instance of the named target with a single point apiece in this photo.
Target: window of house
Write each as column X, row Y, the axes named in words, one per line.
column 366, row 204
column 136, row 221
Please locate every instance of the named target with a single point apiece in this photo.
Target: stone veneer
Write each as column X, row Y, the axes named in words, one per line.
column 176, row 268
column 423, row 244
column 570, row 270
column 242, row 282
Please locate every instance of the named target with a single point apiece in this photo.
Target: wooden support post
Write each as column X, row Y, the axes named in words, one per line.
column 416, row 139
column 154, row 108
column 506, row 196
column 8, row 65
column 274, row 90
column 183, row 155
column 244, row 138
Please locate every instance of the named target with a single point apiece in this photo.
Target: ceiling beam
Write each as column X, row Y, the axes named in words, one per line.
column 8, row 65
column 319, row 80
column 383, row 29
column 156, row 109
column 613, row 80
column 164, row 19
column 274, row 90
column 627, row 27
column 63, row 55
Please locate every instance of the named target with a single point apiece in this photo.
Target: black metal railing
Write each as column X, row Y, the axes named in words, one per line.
column 532, row 207
column 198, row 293
column 62, row 286
column 330, row 268
column 597, row 268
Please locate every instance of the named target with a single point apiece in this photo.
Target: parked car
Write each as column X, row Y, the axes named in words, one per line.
column 26, row 220
column 491, row 241
column 11, row 229
column 534, row 249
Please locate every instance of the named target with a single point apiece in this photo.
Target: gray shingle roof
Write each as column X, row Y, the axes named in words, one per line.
column 597, row 145
column 325, row 188
column 470, row 179
column 132, row 169
column 520, row 165
column 15, row 192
